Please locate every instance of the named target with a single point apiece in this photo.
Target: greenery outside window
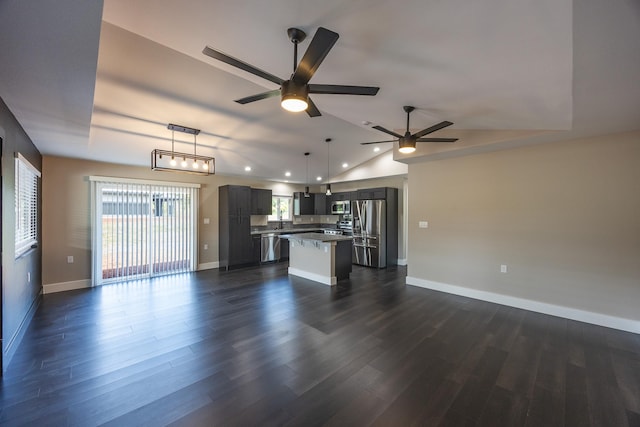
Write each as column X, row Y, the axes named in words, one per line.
column 281, row 208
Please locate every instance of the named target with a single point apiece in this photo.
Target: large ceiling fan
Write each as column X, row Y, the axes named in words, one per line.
column 295, row 91
column 407, row 142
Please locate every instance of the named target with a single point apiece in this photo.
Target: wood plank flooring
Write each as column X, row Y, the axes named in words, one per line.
column 257, row 347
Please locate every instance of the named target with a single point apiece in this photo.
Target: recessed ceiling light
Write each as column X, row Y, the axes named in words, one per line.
column 247, row 168
column 319, row 178
column 375, row 150
column 345, row 165
column 287, row 173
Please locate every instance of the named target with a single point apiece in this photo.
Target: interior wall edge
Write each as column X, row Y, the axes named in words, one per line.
column 14, row 342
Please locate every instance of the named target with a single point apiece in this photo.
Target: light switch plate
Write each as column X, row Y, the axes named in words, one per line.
column 206, row 220
column 423, row 224
column 503, row 268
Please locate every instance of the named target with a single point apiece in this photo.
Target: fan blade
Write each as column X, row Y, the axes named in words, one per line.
column 216, row 54
column 390, row 132
column 343, row 90
column 433, row 128
column 312, row 110
column 258, row 97
column 437, row 139
column 378, row 142
column 322, row 42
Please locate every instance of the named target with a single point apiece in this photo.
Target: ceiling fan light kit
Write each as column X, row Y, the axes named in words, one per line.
column 173, row 161
column 406, row 147
column 294, row 97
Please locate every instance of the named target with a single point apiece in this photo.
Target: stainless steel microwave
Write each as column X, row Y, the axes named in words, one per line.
column 340, row 207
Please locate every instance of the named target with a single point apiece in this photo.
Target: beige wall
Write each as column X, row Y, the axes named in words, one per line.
column 66, row 225
column 564, row 218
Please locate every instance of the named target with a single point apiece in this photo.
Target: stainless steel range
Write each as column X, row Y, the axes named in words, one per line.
column 346, row 226
column 332, row 231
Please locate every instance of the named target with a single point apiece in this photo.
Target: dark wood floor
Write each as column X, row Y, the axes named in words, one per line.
column 256, row 347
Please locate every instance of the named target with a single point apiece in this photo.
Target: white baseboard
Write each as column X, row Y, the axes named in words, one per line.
column 326, row 280
column 208, row 265
column 402, row 261
column 66, row 286
column 623, row 324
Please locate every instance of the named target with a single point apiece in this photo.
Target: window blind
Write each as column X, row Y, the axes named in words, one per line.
column 26, row 205
column 143, row 229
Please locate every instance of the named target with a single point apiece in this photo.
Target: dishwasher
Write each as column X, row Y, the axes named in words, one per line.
column 270, row 247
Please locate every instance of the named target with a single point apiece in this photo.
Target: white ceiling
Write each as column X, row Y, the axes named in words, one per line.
column 505, row 72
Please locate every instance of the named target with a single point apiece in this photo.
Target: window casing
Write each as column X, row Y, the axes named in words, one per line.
column 26, row 205
column 281, row 208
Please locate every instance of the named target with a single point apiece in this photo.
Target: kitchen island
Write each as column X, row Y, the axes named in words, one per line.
column 320, row 257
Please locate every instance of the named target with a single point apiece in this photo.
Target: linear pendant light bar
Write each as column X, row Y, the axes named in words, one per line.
column 172, row 161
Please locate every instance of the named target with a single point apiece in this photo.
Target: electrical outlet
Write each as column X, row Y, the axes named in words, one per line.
column 70, row 259
column 206, row 246
column 503, row 268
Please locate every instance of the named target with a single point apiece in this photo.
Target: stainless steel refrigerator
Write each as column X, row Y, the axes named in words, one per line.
column 369, row 233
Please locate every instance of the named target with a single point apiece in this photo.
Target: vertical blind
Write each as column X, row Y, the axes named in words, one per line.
column 26, row 204
column 143, row 229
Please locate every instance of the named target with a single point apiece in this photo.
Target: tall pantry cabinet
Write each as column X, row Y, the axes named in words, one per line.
column 234, row 225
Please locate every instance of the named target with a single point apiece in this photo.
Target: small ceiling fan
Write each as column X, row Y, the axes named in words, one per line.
column 407, row 142
column 295, row 91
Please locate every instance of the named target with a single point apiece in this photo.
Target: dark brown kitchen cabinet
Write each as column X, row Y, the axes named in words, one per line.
column 372, row 194
column 235, row 246
column 342, row 196
column 303, row 205
column 320, row 204
column 260, row 202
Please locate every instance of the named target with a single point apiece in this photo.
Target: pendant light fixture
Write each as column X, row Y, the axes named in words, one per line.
column 328, row 193
column 306, row 188
column 191, row 163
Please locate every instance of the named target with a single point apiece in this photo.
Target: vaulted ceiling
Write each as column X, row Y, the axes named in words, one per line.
column 102, row 83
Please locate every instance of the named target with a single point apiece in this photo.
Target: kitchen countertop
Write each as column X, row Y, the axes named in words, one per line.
column 289, row 230
column 321, row 237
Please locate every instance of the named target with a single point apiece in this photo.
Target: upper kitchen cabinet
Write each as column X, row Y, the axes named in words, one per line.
column 260, row 202
column 303, row 205
column 320, row 204
column 342, row 196
column 372, row 194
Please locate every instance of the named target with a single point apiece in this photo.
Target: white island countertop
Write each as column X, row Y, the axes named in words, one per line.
column 320, row 237
column 324, row 258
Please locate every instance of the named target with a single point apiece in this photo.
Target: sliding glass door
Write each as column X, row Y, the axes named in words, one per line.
column 142, row 229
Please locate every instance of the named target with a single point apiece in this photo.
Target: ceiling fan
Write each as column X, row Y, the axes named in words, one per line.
column 407, row 142
column 295, row 91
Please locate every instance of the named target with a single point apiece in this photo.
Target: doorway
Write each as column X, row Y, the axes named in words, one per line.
column 142, row 229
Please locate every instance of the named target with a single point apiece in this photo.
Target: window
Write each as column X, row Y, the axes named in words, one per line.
column 280, row 208
column 26, row 181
